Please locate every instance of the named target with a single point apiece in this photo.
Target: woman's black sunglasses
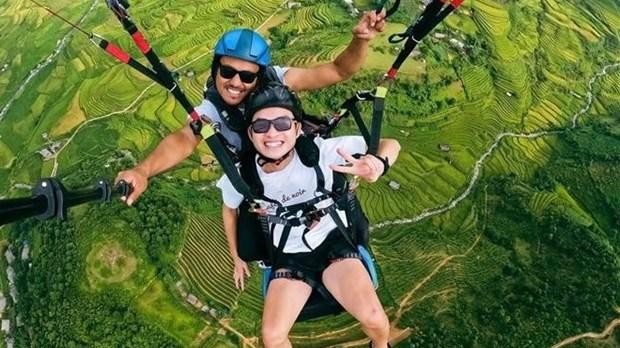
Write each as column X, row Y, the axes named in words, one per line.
column 281, row 124
column 228, row 72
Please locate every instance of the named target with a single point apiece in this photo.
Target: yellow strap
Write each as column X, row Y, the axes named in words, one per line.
column 207, row 131
column 381, row 92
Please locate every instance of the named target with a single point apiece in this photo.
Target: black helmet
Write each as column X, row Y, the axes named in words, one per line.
column 273, row 95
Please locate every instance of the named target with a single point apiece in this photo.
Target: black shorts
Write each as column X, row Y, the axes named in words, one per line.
column 309, row 266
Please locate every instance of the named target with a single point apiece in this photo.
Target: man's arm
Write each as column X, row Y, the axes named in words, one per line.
column 172, row 150
column 347, row 63
column 229, row 216
column 241, row 270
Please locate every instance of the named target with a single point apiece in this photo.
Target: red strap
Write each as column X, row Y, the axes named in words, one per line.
column 194, row 115
column 457, row 3
column 117, row 53
column 391, row 74
column 140, row 41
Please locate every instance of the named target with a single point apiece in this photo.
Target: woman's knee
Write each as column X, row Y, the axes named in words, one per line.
column 375, row 319
column 273, row 336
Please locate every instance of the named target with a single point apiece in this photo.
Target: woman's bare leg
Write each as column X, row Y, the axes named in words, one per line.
column 284, row 301
column 348, row 281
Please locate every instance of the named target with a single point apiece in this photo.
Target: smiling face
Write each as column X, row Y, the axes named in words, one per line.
column 233, row 90
column 273, row 144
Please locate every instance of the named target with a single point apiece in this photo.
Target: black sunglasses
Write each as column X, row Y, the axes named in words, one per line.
column 228, row 72
column 281, row 124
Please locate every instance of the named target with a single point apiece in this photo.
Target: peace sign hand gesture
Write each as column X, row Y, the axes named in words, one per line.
column 367, row 167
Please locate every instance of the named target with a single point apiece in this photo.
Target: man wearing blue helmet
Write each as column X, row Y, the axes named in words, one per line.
column 241, row 62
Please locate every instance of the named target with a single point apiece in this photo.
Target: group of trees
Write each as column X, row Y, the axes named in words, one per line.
column 56, row 313
column 560, row 277
column 159, row 224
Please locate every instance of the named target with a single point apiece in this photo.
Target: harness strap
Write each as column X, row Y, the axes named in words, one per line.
column 378, row 108
column 283, row 238
column 360, row 122
column 433, row 14
column 391, row 10
column 372, row 136
column 298, row 275
column 333, row 212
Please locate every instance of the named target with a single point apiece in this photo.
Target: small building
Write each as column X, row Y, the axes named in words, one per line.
column 2, row 303
column 293, row 4
column 458, row 44
column 13, row 292
column 46, row 153
column 25, row 255
column 394, row 185
column 439, row 35
column 10, row 275
column 415, row 53
column 444, row 147
column 191, row 299
column 6, row 326
column 9, row 256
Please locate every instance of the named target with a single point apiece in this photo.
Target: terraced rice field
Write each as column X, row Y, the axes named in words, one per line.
column 205, row 263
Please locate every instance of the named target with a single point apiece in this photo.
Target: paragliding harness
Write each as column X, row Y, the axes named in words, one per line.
column 256, row 241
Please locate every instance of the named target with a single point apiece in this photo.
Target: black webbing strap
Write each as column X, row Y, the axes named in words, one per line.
column 286, row 231
column 332, row 211
column 357, row 117
column 221, row 153
column 372, row 136
column 378, row 107
column 391, row 10
column 431, row 16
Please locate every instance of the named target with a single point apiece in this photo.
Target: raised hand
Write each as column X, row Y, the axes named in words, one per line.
column 369, row 25
column 367, row 167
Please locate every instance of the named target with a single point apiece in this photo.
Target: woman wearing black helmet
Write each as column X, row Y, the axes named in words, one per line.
column 314, row 251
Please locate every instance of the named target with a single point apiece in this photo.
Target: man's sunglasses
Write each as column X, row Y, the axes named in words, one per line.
column 228, row 72
column 281, row 124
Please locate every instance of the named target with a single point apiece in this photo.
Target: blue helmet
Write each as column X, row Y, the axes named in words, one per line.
column 244, row 44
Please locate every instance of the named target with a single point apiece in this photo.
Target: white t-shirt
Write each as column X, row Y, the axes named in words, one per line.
column 206, row 108
column 296, row 184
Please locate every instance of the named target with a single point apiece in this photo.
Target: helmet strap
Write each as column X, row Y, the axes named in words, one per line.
column 262, row 160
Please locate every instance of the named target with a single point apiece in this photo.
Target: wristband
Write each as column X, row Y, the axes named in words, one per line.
column 385, row 161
